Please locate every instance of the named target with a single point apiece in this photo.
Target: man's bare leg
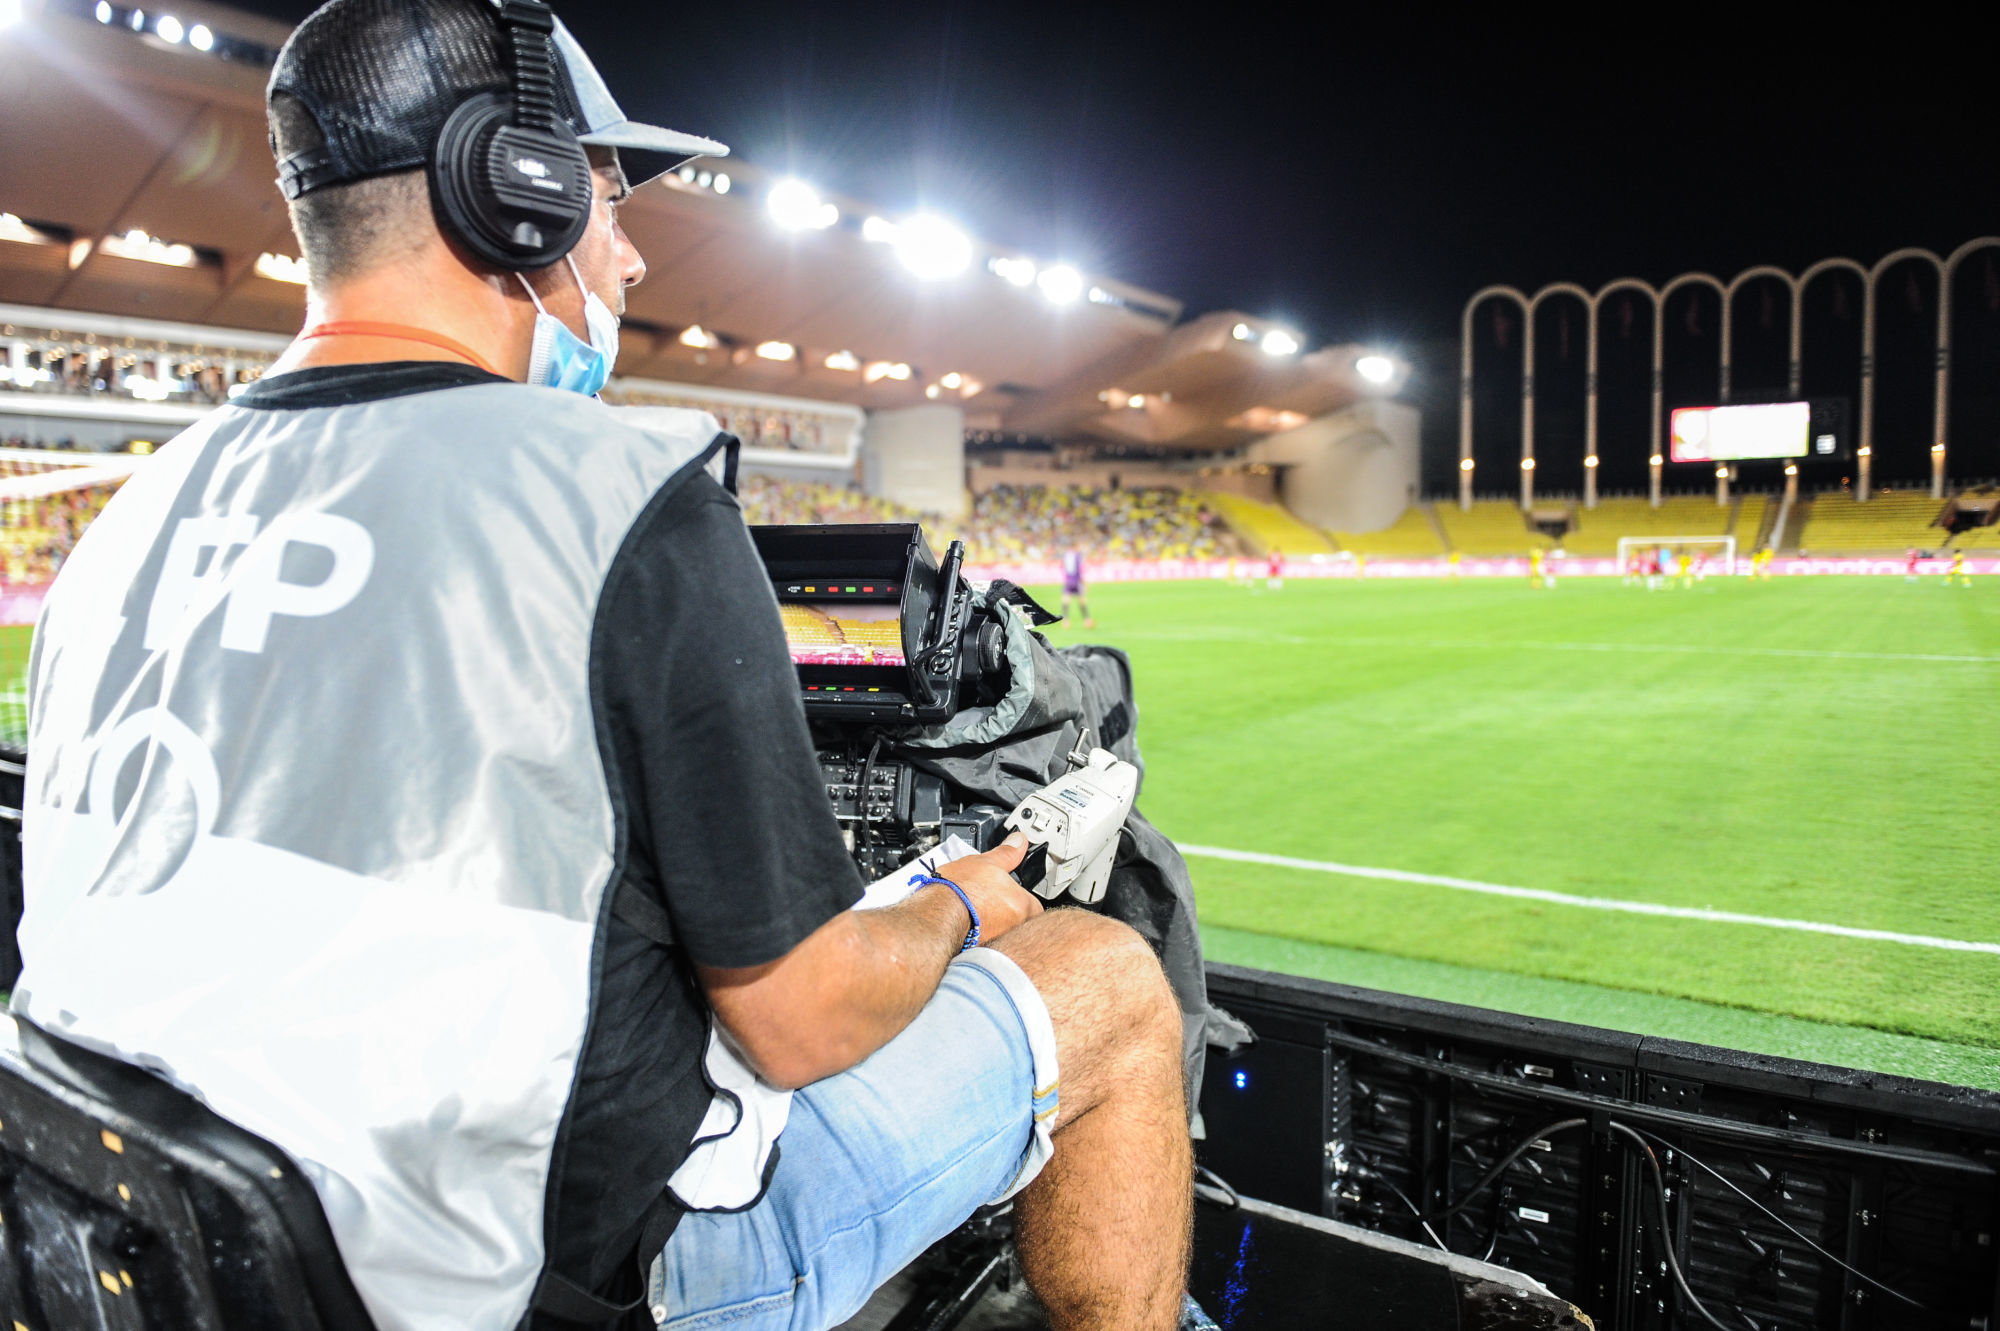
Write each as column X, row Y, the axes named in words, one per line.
column 1103, row 1232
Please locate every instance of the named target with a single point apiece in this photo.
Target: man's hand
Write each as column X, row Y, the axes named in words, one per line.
column 1001, row 902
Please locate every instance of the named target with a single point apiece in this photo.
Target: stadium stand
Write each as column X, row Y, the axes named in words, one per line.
column 1034, row 522
column 1020, row 523
column 1750, row 513
column 766, row 501
column 1492, row 527
column 1890, row 523
column 1261, row 526
column 78, row 365
column 1411, row 535
column 40, row 532
column 1598, row 530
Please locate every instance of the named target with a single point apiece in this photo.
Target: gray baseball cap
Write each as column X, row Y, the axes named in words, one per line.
column 380, row 77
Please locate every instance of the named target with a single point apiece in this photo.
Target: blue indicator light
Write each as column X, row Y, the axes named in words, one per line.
column 1242, row 1080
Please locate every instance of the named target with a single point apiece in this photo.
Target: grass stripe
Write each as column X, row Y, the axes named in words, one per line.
column 1591, row 903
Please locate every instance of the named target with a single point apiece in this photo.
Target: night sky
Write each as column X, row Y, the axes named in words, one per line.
column 1361, row 176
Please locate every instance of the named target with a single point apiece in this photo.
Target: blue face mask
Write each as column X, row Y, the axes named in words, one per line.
column 558, row 358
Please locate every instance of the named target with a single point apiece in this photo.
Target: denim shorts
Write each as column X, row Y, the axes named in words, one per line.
column 879, row 1162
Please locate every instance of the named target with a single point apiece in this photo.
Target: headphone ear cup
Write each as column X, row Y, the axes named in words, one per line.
column 518, row 198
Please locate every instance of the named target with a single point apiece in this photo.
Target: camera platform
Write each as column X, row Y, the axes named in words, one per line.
column 1257, row 1267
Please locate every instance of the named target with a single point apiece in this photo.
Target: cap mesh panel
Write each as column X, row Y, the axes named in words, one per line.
column 381, row 77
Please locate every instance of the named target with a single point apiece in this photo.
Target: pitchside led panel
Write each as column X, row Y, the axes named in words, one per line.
column 1732, row 434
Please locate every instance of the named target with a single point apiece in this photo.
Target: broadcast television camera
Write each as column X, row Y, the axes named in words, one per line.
column 891, row 645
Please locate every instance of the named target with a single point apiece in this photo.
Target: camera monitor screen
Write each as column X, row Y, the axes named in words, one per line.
column 1731, row 434
column 833, row 634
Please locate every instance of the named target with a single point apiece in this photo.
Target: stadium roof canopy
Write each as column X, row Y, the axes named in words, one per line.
column 136, row 179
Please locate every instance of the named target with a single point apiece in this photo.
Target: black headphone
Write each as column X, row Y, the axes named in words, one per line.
column 508, row 175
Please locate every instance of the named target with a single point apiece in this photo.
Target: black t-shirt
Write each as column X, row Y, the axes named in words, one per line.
column 721, row 818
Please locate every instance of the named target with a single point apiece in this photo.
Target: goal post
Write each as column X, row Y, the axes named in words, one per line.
column 1627, row 545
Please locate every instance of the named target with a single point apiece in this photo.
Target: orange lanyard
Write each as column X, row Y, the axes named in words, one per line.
column 398, row 333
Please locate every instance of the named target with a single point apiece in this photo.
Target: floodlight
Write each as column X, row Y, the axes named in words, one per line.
column 1791, row 469
column 777, row 350
column 1062, row 284
column 1015, row 272
column 200, row 38
column 703, row 179
column 843, row 360
column 931, row 392
column 1527, row 464
column 686, row 174
column 1137, row 401
column 138, row 20
column 1863, row 451
column 1375, row 369
column 880, row 231
column 1937, row 448
column 170, row 29
column 1722, row 473
column 103, row 11
column 1465, row 464
column 721, row 182
column 1655, row 460
column 1590, row 461
column 883, row 369
column 931, row 247
column 281, row 268
column 1278, row 342
column 11, row 12
column 697, row 336
column 952, row 380
column 1243, row 332
column 796, row 206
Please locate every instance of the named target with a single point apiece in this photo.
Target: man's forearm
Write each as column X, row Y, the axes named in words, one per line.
column 864, row 975
column 846, row 991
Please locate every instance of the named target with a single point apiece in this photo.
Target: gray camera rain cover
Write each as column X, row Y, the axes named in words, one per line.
column 1005, row 752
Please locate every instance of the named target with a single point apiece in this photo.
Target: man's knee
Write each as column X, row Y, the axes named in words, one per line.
column 1102, row 984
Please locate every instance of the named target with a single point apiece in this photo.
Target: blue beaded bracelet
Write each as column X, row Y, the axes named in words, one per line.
column 972, row 934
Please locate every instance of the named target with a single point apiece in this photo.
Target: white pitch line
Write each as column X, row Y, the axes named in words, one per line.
column 1592, row 903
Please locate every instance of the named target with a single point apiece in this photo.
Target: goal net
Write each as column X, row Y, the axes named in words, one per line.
column 1700, row 550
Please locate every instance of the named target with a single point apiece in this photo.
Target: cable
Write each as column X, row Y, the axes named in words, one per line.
column 1789, row 1228
column 1404, row 1198
column 1666, row 1226
column 1210, row 1187
column 866, row 836
column 1539, row 1134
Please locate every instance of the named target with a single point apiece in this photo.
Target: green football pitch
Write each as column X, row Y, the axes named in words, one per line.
column 1822, row 754
column 1812, row 752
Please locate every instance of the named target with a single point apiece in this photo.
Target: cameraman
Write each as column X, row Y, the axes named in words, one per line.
column 417, row 774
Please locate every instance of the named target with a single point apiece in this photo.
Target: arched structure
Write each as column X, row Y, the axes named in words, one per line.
column 1864, row 464
column 1940, row 436
column 1528, row 375
column 1479, row 298
column 1590, row 462
column 1870, row 278
column 1656, row 458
